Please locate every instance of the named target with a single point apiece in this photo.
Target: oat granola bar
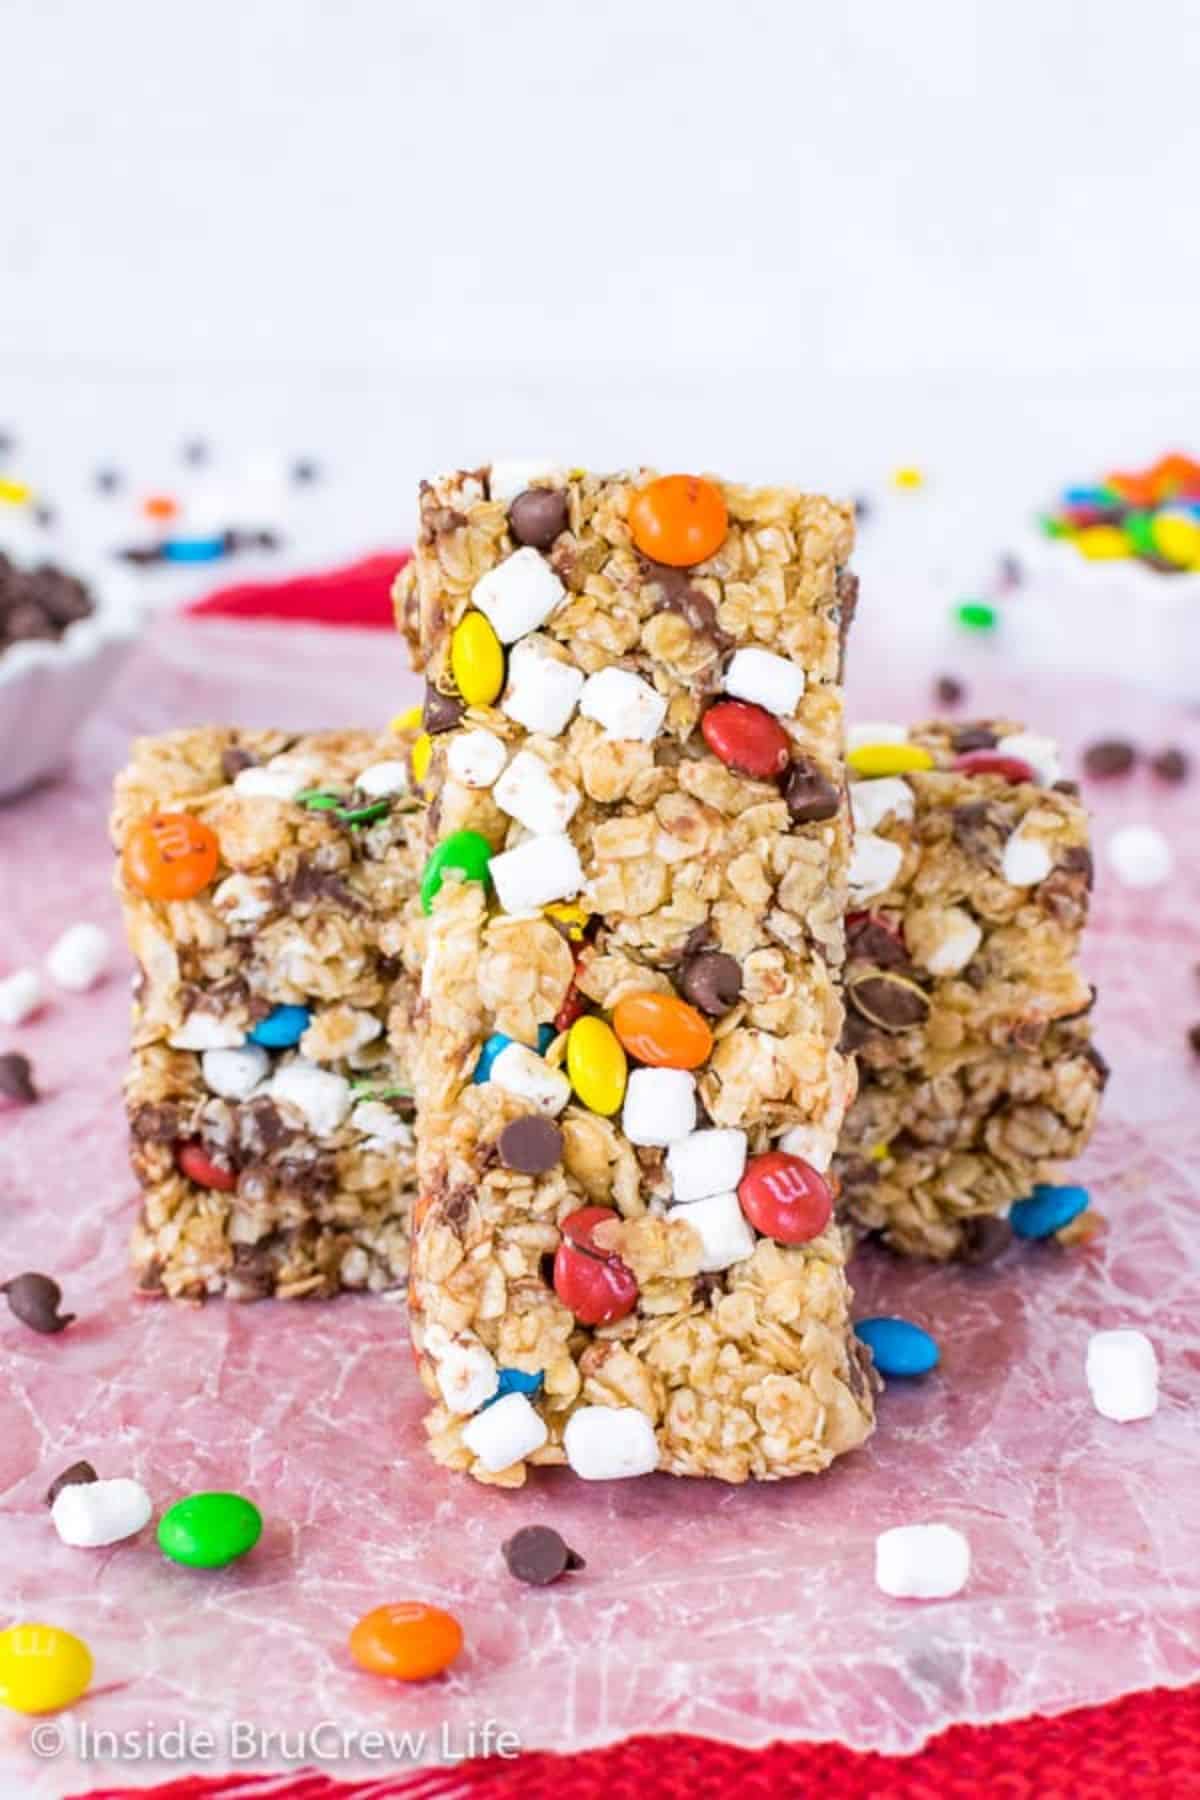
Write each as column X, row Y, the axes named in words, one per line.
column 627, row 1064
column 967, row 1010
column 263, row 878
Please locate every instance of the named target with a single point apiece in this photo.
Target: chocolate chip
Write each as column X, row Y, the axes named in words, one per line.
column 890, row 1001
column 16, row 1079
column 27, row 622
column 869, row 940
column 984, row 1239
column 107, row 480
column 1171, row 765
column 538, row 1555
column 530, row 1145
column 78, row 1475
column 974, row 737
column 441, row 712
column 712, row 981
column 142, row 555
column 949, row 691
column 863, row 507
column 195, row 453
column 305, row 471
column 235, row 759
column 1194, row 1038
column 538, row 516
column 1099, row 1062
column 1109, row 756
column 34, row 1299
column 810, row 795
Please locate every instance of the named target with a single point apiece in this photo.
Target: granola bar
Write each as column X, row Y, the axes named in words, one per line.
column 627, row 1069
column 967, row 1012
column 263, row 878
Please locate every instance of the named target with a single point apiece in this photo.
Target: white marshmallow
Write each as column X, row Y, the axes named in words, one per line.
column 922, row 1562
column 280, row 779
column 887, row 797
column 382, row 1128
column 245, row 899
column 1122, row 1374
column 1026, row 860
column 542, row 691
column 235, row 1073
column 467, row 1376
column 874, row 866
column 1041, row 753
column 724, row 1230
column 382, row 779
column 205, row 1031
column 610, row 1443
column 519, row 594
column 707, row 1162
column 765, row 680
column 513, row 474
column 530, row 792
column 660, row 1106
column 537, row 872
column 813, row 1144
column 875, row 731
column 21, row 993
column 476, row 758
column 322, row 1097
column 89, row 1514
column 624, row 704
column 79, row 958
column 521, row 1071
column 1140, row 856
column 961, row 938
column 505, row 1432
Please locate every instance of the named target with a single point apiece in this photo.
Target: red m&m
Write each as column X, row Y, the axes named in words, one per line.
column 746, row 738
column 593, row 1283
column 194, row 1161
column 785, row 1198
column 994, row 762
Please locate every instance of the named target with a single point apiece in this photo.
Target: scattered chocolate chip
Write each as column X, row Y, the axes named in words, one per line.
column 195, row 453
column 142, row 555
column 16, row 1079
column 868, row 939
column 1009, row 571
column 538, row 516
column 810, row 794
column 45, row 516
column 1194, row 1038
column 78, row 1475
column 984, row 1239
column 34, row 1299
column 305, row 471
column 530, row 1145
column 1109, row 756
column 948, row 690
column 538, row 1555
column 890, row 1001
column 712, row 981
column 107, row 480
column 863, row 507
column 974, row 737
column 1171, row 765
column 235, row 759
column 441, row 712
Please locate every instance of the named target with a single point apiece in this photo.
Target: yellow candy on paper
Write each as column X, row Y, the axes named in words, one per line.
column 422, row 751
column 477, row 660
column 889, row 759
column 407, row 721
column 1103, row 543
column 42, row 1668
column 573, row 919
column 908, row 477
column 1177, row 538
column 596, row 1065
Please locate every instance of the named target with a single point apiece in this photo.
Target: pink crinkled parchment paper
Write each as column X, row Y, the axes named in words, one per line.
column 744, row 1614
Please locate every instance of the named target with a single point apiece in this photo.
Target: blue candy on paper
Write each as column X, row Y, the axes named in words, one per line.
column 898, row 1346
column 194, row 550
column 282, row 1027
column 1047, row 1210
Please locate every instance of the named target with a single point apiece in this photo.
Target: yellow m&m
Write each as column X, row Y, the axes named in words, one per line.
column 889, row 759
column 596, row 1065
column 42, row 1668
column 477, row 660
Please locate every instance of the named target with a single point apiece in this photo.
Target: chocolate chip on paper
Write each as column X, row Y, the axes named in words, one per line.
column 538, row 1555
column 530, row 1145
column 16, row 1079
column 1171, row 765
column 984, row 1239
column 538, row 516
column 35, row 1300
column 712, row 981
column 1194, row 1039
column 1109, row 757
column 78, row 1475
column 949, row 691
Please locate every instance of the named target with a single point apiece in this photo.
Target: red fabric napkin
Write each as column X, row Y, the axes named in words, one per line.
column 359, row 594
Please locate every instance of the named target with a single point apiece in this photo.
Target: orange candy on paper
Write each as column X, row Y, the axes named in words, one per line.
column 408, row 1642
column 660, row 1030
column 679, row 520
column 170, row 856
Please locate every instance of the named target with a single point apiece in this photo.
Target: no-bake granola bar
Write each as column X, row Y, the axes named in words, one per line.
column 967, row 1010
column 638, row 821
column 269, row 1109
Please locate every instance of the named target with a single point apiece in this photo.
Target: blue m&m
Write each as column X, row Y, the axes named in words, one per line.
column 282, row 1027
column 499, row 1041
column 1047, row 1210
column 898, row 1346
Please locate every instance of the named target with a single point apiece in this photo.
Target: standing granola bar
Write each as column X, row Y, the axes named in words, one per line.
column 627, row 1067
column 263, row 878
column 967, row 1010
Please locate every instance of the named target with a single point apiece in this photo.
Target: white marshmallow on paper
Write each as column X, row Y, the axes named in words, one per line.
column 505, row 1432
column 610, row 1443
column 519, row 594
column 1122, row 1375
column 234, row 1073
column 21, row 994
column 660, row 1106
column 886, row 797
column 922, row 1562
column 707, row 1162
column 723, row 1229
column 542, row 691
column 476, row 758
column 80, row 957
column 90, row 1514
column 466, row 1376
column 521, row 1071
column 765, row 679
column 1140, row 856
column 874, row 865
column 321, row 1097
column 537, row 872
column 625, row 705
column 530, row 792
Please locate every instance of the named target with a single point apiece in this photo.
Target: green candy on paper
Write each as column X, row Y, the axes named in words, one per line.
column 206, row 1531
column 976, row 615
column 468, row 853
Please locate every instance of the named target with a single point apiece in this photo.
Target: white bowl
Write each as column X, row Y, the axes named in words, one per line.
column 48, row 687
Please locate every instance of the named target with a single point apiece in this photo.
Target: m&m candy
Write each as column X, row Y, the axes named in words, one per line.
column 406, row 1642
column 785, row 1198
column 282, row 1027
column 888, row 759
column 596, row 1065
column 207, row 1531
column 994, row 762
column 477, row 660
column 468, row 853
column 897, row 1346
column 42, row 1668
column 1048, row 1209
column 170, row 856
column 592, row 1283
column 662, row 1030
column 679, row 520
column 193, row 1160
column 746, row 738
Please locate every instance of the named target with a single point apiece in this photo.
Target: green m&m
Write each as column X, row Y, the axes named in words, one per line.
column 468, row 853
column 206, row 1531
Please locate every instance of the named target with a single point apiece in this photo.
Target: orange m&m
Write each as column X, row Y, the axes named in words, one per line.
column 407, row 1642
column 679, row 519
column 170, row 856
column 663, row 1031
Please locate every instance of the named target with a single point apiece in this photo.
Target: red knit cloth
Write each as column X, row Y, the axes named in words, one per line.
column 359, row 594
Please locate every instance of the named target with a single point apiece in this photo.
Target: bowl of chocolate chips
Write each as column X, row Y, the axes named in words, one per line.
column 63, row 636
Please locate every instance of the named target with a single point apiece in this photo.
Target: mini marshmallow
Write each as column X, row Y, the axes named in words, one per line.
column 922, row 1562
column 624, row 704
column 476, row 758
column 205, row 1031
column 530, row 792
column 382, row 1128
column 322, row 1097
column 90, row 1514
column 382, row 779
column 707, row 1162
column 610, row 1443
column 518, row 595
column 21, row 993
column 887, row 797
column 765, row 680
column 724, row 1230
column 505, row 1432
column 280, row 779
column 79, row 958
column 874, row 866
column 875, row 731
column 245, row 899
column 467, row 1376
column 660, row 1106
column 1026, row 860
column 960, row 939
column 1122, row 1374
column 235, row 1073
column 542, row 691
column 1041, row 753
column 813, row 1144
column 1140, row 856
column 521, row 1071
column 513, row 474
column 538, row 871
